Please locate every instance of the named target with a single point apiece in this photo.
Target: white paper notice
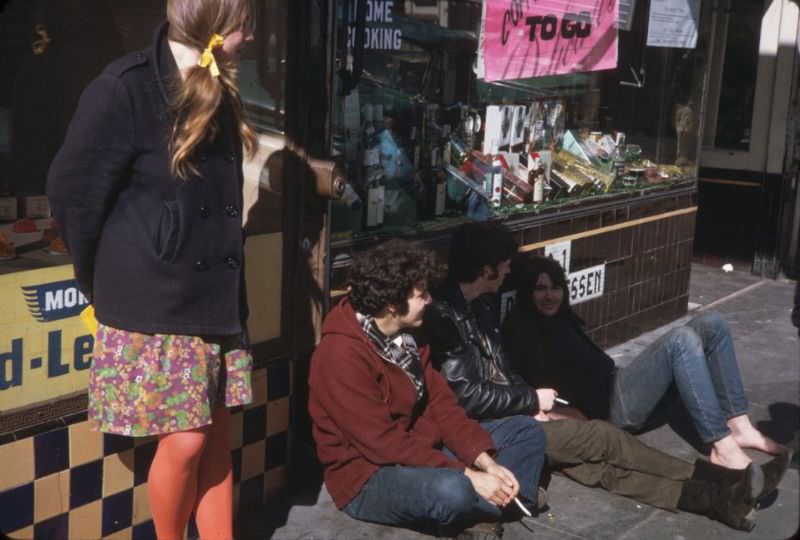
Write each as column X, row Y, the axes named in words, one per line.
column 673, row 23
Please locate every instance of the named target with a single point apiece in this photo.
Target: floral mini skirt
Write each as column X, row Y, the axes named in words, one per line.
column 143, row 384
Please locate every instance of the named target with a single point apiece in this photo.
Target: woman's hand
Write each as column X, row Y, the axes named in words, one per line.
column 547, row 397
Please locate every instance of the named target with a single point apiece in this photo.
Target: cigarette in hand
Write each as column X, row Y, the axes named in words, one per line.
column 522, row 507
column 562, row 401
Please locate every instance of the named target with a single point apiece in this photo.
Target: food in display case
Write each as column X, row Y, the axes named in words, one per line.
column 7, row 249
column 554, row 162
column 57, row 246
column 25, row 225
column 419, row 162
column 419, row 152
column 50, row 232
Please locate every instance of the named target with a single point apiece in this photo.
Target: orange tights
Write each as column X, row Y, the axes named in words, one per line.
column 191, row 471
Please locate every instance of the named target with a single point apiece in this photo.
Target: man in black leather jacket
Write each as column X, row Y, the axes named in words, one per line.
column 466, row 346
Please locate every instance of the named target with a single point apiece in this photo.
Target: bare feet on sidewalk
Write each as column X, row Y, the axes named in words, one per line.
column 747, row 436
column 727, row 453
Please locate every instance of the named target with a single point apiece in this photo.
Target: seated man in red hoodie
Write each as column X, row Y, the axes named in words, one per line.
column 396, row 446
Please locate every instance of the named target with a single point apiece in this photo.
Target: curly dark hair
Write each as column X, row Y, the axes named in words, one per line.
column 477, row 245
column 526, row 269
column 386, row 275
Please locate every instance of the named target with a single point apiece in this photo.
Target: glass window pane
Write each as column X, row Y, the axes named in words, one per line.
column 430, row 140
column 262, row 71
column 737, row 91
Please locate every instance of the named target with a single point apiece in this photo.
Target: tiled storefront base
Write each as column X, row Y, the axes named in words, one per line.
column 72, row 483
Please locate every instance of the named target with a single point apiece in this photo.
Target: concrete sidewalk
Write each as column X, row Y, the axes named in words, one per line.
column 769, row 358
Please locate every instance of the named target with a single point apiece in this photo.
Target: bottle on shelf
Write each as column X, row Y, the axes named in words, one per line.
column 618, row 158
column 432, row 183
column 536, row 177
column 439, row 185
column 494, row 177
column 373, row 188
column 375, row 199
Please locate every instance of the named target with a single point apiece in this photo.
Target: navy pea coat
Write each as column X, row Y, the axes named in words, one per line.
column 153, row 253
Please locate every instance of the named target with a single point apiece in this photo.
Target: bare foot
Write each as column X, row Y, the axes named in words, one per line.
column 758, row 441
column 747, row 436
column 727, row 453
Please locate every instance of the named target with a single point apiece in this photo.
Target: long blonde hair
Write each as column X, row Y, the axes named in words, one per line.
column 192, row 23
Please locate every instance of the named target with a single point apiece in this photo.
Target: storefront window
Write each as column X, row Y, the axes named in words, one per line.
column 735, row 82
column 51, row 51
column 470, row 110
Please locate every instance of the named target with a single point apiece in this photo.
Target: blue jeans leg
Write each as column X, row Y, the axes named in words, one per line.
column 717, row 341
column 708, row 386
column 520, row 443
column 419, row 497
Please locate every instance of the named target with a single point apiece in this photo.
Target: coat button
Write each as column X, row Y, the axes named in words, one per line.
column 203, row 158
column 232, row 262
column 205, row 211
column 231, row 210
column 201, row 265
column 229, row 157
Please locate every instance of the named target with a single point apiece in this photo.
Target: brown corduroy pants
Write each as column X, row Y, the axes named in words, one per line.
column 596, row 453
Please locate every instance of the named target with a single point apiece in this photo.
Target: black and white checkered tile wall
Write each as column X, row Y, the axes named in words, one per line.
column 72, row 483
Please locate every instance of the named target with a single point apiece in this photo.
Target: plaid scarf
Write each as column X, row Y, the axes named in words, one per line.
column 401, row 350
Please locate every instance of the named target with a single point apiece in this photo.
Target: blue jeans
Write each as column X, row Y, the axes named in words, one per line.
column 428, row 497
column 700, row 361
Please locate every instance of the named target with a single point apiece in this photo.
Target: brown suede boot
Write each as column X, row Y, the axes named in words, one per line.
column 726, row 498
column 752, row 476
column 774, row 470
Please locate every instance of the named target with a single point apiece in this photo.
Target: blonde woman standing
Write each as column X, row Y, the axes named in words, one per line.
column 147, row 191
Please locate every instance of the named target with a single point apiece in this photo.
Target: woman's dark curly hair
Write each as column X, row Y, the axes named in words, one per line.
column 477, row 245
column 387, row 274
column 525, row 271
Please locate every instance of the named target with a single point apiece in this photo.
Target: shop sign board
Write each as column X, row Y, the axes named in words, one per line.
column 379, row 34
column 529, row 38
column 582, row 285
column 586, row 284
column 560, row 252
column 45, row 350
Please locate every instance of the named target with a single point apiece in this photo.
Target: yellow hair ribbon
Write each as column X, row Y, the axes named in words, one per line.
column 87, row 317
column 207, row 59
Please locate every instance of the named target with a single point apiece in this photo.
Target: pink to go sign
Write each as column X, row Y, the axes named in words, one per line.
column 530, row 38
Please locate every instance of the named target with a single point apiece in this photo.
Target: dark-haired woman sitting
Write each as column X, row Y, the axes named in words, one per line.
column 549, row 348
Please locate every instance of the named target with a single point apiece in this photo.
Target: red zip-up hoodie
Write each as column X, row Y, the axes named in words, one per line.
column 362, row 406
